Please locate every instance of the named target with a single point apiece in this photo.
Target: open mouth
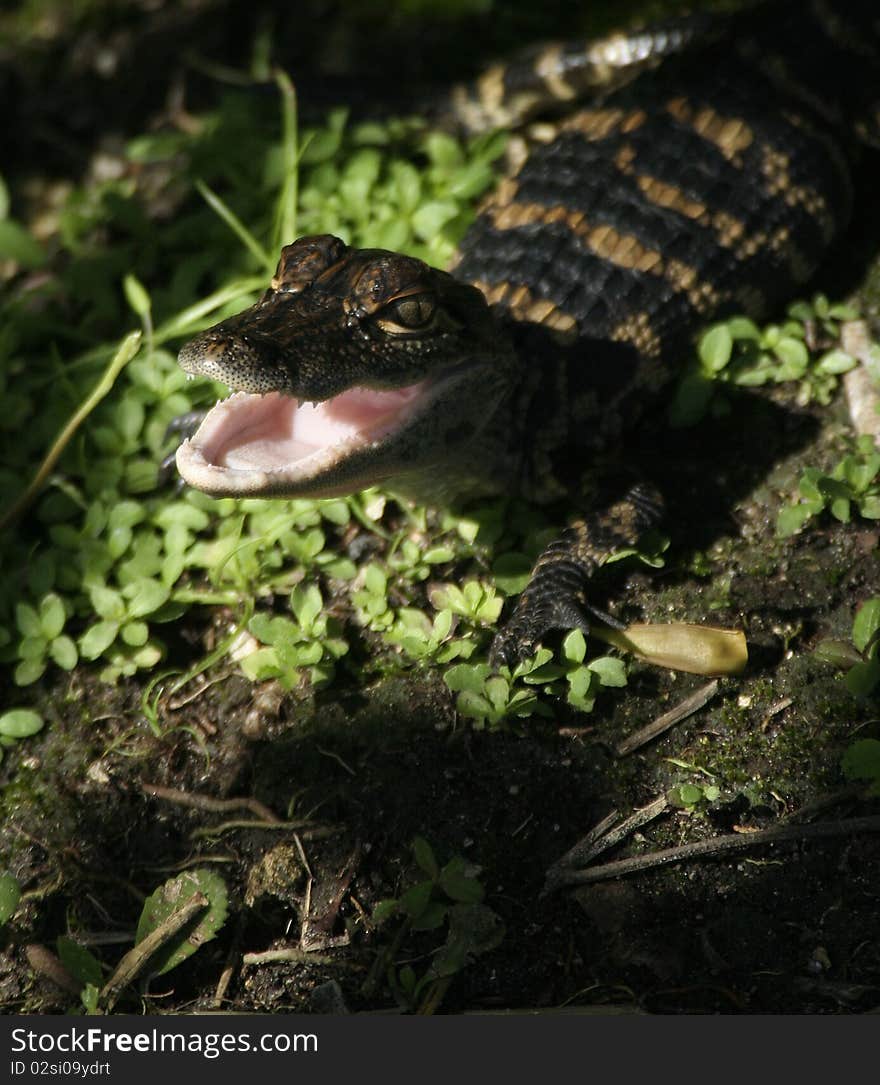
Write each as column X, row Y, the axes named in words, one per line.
column 252, row 444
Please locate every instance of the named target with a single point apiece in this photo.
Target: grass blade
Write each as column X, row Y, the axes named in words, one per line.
column 221, row 208
column 127, row 350
column 285, row 214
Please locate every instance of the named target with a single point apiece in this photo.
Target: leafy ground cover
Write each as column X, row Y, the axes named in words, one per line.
column 296, row 693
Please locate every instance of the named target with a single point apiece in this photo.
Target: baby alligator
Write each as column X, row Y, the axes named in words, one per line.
column 711, row 177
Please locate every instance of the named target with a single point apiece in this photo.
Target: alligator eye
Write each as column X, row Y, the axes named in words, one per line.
column 408, row 314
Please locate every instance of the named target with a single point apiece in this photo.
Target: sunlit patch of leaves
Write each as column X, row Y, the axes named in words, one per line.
column 738, row 352
column 114, row 553
column 853, row 485
column 16, row 724
column 309, row 642
column 489, row 698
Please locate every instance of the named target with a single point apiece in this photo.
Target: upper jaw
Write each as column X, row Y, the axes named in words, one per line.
column 243, row 362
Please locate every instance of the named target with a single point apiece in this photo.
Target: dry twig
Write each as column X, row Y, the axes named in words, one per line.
column 717, row 846
column 669, row 719
column 207, row 802
column 133, row 963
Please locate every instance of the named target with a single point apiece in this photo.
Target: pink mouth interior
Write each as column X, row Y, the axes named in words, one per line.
column 247, row 432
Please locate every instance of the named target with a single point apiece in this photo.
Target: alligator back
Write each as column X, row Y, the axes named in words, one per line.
column 714, row 183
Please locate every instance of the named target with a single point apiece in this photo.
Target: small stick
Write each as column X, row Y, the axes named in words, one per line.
column 207, row 832
column 669, row 719
column 824, row 802
column 44, row 962
column 575, row 856
column 225, row 979
column 335, row 757
column 232, row 960
column 297, row 839
column 600, row 838
column 137, row 958
column 292, row 953
column 635, row 821
column 207, row 802
column 306, row 909
column 105, row 938
column 774, row 710
column 717, row 846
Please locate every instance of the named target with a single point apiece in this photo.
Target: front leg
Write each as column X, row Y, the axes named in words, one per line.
column 555, row 597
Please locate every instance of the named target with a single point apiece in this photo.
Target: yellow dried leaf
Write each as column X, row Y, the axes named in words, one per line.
column 682, row 646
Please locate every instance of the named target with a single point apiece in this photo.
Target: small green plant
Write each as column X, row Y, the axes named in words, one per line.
column 412, row 561
column 489, row 698
column 199, row 895
column 10, row 895
column 371, row 599
column 852, row 483
column 472, row 609
column 41, row 628
column 572, row 676
column 478, row 603
column 310, row 643
column 860, row 657
column 861, row 761
column 738, row 352
column 425, row 640
column 691, row 796
column 16, row 724
column 448, row 900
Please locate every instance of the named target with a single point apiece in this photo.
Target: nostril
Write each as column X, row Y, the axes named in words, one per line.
column 199, row 354
column 189, row 356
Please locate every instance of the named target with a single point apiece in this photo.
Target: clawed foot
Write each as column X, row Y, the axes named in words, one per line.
column 530, row 623
column 555, row 597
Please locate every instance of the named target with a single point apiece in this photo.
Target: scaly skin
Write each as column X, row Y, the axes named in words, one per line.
column 712, row 178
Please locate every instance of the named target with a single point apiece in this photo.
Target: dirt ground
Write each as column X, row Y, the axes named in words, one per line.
column 353, row 775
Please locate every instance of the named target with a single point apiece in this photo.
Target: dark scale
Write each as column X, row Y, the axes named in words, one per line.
column 686, row 171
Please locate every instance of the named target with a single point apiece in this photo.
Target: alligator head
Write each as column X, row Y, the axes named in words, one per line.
column 356, row 365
